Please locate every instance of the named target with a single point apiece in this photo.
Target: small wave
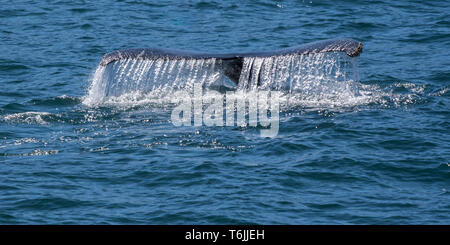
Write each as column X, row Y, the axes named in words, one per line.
column 442, row 91
column 35, row 152
column 63, row 100
column 25, row 141
column 30, row 117
column 81, row 10
column 12, row 66
column 38, row 152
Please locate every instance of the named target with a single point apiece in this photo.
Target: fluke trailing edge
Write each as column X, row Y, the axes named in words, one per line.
column 232, row 63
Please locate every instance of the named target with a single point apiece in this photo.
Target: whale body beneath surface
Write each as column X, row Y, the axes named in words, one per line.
column 232, row 63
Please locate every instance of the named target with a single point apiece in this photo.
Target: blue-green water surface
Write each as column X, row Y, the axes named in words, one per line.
column 383, row 159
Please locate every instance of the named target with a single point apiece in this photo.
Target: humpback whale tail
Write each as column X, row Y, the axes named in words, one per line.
column 310, row 70
column 232, row 64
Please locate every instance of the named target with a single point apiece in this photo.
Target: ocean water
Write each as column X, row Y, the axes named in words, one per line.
column 371, row 147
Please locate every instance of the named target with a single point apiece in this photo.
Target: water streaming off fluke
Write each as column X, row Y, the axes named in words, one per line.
column 304, row 75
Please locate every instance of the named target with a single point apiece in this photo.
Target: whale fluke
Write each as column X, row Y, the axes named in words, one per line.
column 232, row 63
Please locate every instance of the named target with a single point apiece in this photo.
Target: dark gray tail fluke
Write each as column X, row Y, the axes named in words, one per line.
column 232, row 63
